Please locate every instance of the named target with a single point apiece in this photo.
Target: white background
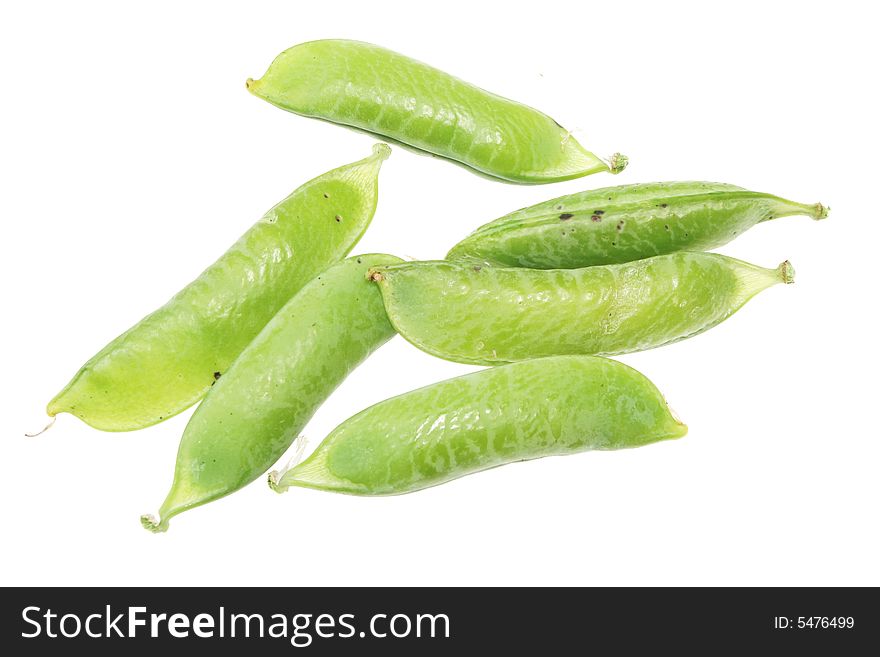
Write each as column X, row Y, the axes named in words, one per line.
column 131, row 156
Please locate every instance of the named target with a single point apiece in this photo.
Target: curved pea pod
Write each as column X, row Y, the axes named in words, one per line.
column 385, row 93
column 621, row 224
column 167, row 361
column 542, row 407
column 258, row 407
column 487, row 315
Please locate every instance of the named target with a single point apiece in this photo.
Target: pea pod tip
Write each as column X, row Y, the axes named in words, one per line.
column 44, row 429
column 677, row 418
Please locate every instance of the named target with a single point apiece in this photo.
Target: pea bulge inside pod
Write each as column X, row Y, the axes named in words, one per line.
column 254, row 412
column 488, row 315
column 625, row 223
column 171, row 358
column 373, row 89
column 536, row 408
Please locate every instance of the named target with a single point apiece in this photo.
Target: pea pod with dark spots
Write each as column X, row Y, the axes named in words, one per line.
column 169, row 360
column 621, row 224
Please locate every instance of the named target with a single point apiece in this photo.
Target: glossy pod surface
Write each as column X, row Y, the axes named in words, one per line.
column 488, row 315
column 167, row 361
column 621, row 224
column 527, row 410
column 373, row 89
column 253, row 413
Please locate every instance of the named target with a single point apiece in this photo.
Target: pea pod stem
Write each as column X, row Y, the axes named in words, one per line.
column 617, row 163
column 786, row 272
column 815, row 211
column 274, row 479
column 152, row 523
column 275, row 476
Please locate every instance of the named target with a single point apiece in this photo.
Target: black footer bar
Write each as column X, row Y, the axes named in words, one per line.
column 431, row 621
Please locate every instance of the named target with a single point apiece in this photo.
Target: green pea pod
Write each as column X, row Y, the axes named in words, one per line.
column 167, row 361
column 621, row 224
column 527, row 410
column 385, row 93
column 487, row 315
column 273, row 388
